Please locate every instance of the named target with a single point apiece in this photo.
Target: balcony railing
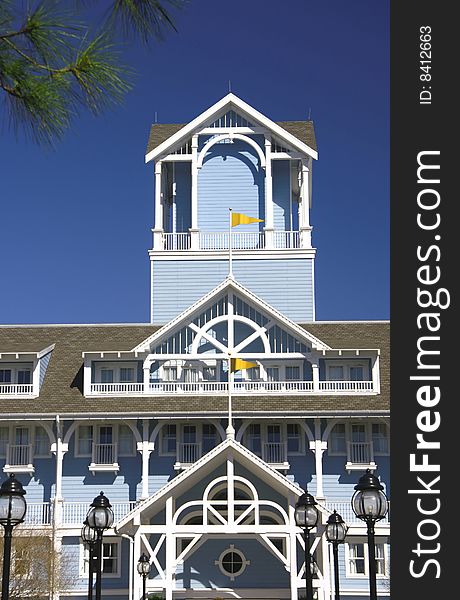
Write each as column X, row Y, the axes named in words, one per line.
column 104, row 454
column 215, row 241
column 274, row 452
column 74, row 513
column 18, row 459
column 16, row 389
column 360, row 453
column 343, row 507
column 239, row 387
column 188, row 453
column 38, row 513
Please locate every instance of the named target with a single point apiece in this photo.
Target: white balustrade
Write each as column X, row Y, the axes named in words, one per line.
column 38, row 513
column 16, row 389
column 74, row 513
column 286, row 239
column 18, row 455
column 345, row 386
column 219, row 240
column 274, row 452
column 188, row 453
column 360, row 453
column 176, row 241
column 117, row 388
column 104, row 454
column 343, row 507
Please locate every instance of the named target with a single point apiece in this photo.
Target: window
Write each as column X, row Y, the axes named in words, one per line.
column 111, row 559
column 357, row 558
column 189, row 434
column 337, row 443
column 190, row 375
column 42, row 442
column 169, row 373
column 232, row 562
column 292, row 373
column 126, row 375
column 335, row 373
column 125, row 441
column 4, row 439
column 85, row 440
column 273, row 374
column 24, row 376
column 106, row 375
column 380, row 438
column 294, row 438
column 209, row 437
column 356, row 373
column 5, row 375
column 253, row 438
column 253, row 374
column 168, row 439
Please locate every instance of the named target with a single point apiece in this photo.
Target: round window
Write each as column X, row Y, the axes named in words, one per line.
column 232, row 562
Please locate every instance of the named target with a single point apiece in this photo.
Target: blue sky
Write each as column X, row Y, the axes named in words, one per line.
column 76, row 220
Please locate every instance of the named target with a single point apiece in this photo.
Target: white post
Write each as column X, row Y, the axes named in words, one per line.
column 292, row 552
column 194, row 231
column 230, row 265
column 87, row 377
column 268, row 229
column 315, row 375
column 304, row 221
column 170, row 551
column 318, row 447
column 137, row 587
column 230, row 489
column 145, row 448
column 158, row 229
column 146, row 376
column 58, row 449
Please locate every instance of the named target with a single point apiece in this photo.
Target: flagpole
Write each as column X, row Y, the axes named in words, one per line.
column 230, row 271
column 230, row 431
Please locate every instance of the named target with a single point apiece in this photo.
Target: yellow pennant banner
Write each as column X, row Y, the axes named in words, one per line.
column 236, row 364
column 240, row 219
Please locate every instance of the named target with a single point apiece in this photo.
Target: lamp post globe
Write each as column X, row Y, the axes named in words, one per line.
column 13, row 508
column 306, row 516
column 370, row 504
column 99, row 518
column 143, row 568
column 336, row 531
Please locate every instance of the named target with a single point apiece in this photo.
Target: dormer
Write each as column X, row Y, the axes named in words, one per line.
column 22, row 373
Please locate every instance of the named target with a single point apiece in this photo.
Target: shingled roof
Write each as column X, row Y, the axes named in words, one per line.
column 302, row 130
column 61, row 392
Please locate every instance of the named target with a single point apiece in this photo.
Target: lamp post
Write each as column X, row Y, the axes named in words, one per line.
column 306, row 516
column 89, row 536
column 370, row 504
column 13, row 508
column 143, row 568
column 99, row 518
column 336, row 530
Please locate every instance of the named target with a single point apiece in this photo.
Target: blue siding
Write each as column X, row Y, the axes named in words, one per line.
column 282, row 217
column 231, row 177
column 178, row 284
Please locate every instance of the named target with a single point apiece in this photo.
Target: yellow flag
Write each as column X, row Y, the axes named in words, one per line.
column 236, row 364
column 240, row 219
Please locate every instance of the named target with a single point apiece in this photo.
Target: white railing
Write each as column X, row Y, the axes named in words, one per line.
column 176, row 241
column 16, row 389
column 343, row 507
column 360, row 453
column 188, row 453
column 117, row 388
column 38, row 513
column 286, row 239
column 345, row 386
column 18, row 455
column 74, row 513
column 274, row 452
column 197, row 387
column 214, row 241
column 239, row 387
column 104, row 454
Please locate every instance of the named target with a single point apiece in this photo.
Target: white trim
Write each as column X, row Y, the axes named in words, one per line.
column 226, row 103
column 362, row 540
column 84, row 558
column 244, row 562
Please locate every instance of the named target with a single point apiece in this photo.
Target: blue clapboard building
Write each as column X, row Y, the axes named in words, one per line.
column 141, row 411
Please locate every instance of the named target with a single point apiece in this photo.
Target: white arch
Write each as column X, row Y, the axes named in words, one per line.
column 225, row 318
column 230, row 136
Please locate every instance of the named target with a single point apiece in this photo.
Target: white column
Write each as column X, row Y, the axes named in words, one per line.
column 230, row 489
column 58, row 449
column 268, row 228
column 292, row 552
column 158, row 229
column 145, row 448
column 318, row 447
column 315, row 375
column 146, row 376
column 304, row 216
column 194, row 232
column 87, row 377
column 137, row 584
column 170, row 551
column 375, row 374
